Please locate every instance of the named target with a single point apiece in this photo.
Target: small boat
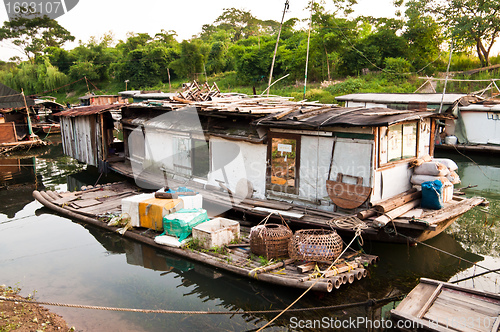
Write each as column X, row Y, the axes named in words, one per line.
column 96, row 205
column 439, row 306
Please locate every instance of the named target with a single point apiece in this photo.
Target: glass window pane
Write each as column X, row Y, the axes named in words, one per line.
column 394, row 142
column 409, row 140
column 283, row 161
column 201, row 158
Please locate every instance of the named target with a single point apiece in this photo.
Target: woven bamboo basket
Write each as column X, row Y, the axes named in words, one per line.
column 270, row 240
column 315, row 245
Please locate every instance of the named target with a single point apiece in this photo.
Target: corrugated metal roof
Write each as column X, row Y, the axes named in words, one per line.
column 341, row 116
column 88, row 110
column 402, row 98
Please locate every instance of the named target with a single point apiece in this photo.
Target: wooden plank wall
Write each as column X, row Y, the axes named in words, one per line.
column 8, row 132
column 81, row 138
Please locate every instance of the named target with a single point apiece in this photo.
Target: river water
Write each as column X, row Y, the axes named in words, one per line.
column 64, row 261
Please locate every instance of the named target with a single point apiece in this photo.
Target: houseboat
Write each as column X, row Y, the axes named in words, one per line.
column 472, row 128
column 16, row 129
column 315, row 165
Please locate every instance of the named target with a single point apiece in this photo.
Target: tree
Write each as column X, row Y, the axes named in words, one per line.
column 33, row 36
column 469, row 22
column 190, row 62
column 424, row 38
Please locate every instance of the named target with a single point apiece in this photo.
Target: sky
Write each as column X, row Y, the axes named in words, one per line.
column 97, row 17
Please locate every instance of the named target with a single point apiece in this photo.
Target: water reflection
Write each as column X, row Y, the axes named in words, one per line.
column 71, row 262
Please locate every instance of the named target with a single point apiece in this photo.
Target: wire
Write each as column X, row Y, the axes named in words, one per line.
column 448, row 253
column 475, row 276
column 493, row 180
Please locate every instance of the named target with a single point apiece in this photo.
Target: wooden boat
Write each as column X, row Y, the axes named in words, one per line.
column 95, row 206
column 439, row 306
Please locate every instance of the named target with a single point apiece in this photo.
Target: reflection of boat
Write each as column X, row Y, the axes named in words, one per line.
column 17, row 181
column 438, row 306
column 91, row 206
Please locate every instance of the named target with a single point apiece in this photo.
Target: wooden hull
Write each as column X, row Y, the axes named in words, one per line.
column 438, row 306
column 300, row 216
column 236, row 260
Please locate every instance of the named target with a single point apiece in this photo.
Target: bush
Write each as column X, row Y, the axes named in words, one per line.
column 351, row 85
column 397, row 69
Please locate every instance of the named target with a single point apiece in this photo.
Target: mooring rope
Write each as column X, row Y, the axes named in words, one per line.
column 370, row 302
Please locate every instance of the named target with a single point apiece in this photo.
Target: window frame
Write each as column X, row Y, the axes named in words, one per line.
column 383, row 163
column 276, row 187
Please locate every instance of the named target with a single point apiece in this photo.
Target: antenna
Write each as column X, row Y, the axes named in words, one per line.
column 287, row 5
column 307, row 54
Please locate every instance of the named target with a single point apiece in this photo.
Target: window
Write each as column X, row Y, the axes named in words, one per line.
column 401, row 142
column 201, row 158
column 283, row 160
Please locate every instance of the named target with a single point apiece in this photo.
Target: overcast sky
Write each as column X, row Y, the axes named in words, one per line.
column 96, row 17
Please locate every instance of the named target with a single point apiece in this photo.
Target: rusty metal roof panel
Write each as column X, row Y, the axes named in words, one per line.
column 341, row 116
column 88, row 110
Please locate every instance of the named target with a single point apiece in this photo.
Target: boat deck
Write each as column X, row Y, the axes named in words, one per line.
column 439, row 306
column 96, row 206
column 407, row 229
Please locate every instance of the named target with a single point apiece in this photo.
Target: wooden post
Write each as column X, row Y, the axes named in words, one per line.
column 30, row 128
column 388, row 216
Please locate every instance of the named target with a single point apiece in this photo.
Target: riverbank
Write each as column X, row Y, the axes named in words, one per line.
column 17, row 316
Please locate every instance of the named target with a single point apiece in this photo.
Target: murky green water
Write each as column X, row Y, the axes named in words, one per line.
column 68, row 262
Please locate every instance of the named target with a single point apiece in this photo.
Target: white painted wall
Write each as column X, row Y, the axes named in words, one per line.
column 482, row 127
column 158, row 149
column 232, row 161
column 391, row 181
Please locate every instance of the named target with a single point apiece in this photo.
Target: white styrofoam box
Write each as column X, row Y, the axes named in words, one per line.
column 130, row 205
column 447, row 192
column 216, row 232
column 192, row 202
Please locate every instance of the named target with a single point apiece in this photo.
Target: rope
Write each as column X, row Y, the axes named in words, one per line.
column 186, row 312
column 351, row 222
column 310, row 287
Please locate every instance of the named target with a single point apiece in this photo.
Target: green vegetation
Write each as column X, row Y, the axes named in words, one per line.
column 347, row 55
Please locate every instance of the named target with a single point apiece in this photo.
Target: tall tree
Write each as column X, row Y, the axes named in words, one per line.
column 33, row 36
column 469, row 22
